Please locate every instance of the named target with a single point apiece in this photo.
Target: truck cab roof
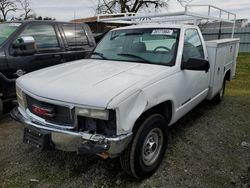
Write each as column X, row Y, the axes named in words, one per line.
column 155, row 25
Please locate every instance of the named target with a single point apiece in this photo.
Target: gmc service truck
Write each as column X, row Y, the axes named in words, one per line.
column 139, row 80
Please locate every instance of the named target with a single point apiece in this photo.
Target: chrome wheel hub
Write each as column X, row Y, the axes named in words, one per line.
column 152, row 146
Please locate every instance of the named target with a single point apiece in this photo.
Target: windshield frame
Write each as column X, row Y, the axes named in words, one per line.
column 172, row 62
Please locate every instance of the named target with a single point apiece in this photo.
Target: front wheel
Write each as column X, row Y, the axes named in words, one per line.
column 145, row 153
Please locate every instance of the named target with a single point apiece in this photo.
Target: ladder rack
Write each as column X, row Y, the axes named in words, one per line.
column 186, row 16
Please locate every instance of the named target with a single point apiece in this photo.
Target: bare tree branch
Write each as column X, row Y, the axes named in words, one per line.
column 7, row 6
column 25, row 7
column 110, row 6
column 184, row 2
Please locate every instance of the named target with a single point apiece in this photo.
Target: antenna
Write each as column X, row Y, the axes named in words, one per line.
column 75, row 25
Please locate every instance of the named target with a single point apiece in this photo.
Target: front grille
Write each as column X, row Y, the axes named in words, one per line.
column 61, row 115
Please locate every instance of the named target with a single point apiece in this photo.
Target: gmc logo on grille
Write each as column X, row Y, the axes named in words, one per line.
column 41, row 111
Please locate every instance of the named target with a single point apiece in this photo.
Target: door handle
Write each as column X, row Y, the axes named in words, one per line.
column 218, row 71
column 57, row 55
column 19, row 73
column 61, row 57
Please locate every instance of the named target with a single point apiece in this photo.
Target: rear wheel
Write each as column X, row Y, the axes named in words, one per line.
column 145, row 153
column 219, row 97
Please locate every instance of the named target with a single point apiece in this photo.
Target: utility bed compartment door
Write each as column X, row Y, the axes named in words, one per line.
column 222, row 55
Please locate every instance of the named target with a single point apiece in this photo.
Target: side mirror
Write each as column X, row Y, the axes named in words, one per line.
column 196, row 65
column 25, row 46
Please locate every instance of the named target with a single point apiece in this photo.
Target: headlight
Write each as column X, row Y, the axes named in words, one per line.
column 98, row 126
column 95, row 114
column 20, row 97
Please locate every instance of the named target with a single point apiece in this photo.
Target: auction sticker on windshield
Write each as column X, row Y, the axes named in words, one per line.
column 162, row 32
column 14, row 24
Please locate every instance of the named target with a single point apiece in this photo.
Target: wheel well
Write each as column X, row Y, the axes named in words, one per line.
column 228, row 74
column 165, row 109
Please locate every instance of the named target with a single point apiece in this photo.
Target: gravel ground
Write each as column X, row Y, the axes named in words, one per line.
column 209, row 148
column 205, row 151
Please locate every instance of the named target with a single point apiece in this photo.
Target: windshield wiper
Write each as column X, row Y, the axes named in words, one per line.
column 99, row 54
column 135, row 56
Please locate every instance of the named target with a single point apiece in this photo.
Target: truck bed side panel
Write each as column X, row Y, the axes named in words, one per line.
column 222, row 55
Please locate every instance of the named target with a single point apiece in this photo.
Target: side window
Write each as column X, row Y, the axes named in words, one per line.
column 44, row 35
column 75, row 35
column 192, row 45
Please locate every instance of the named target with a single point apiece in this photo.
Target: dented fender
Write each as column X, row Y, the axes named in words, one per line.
column 129, row 110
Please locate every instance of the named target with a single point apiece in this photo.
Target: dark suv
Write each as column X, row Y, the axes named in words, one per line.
column 31, row 45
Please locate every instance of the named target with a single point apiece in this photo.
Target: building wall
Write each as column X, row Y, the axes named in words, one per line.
column 242, row 33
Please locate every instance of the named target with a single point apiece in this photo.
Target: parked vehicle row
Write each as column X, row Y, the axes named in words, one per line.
column 32, row 45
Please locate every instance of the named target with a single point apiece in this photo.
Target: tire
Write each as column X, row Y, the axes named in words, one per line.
column 1, row 107
column 219, row 97
column 145, row 153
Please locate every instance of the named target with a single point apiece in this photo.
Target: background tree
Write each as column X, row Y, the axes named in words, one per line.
column 123, row 6
column 48, row 18
column 26, row 8
column 39, row 18
column 7, row 6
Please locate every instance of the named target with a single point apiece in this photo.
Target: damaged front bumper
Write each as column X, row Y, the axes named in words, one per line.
column 42, row 135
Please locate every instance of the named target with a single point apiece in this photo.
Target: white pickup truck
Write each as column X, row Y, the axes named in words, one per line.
column 119, row 103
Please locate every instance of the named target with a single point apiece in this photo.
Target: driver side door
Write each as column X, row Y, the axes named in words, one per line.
column 193, row 83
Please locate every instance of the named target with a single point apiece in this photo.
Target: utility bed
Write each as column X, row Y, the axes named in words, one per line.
column 222, row 56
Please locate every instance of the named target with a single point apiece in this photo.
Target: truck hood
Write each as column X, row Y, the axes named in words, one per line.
column 88, row 82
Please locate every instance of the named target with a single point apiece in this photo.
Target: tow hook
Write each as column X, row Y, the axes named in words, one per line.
column 88, row 147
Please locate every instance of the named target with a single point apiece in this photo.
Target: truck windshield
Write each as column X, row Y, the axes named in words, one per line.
column 147, row 45
column 6, row 29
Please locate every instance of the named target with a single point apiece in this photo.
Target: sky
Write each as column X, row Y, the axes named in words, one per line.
column 65, row 10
